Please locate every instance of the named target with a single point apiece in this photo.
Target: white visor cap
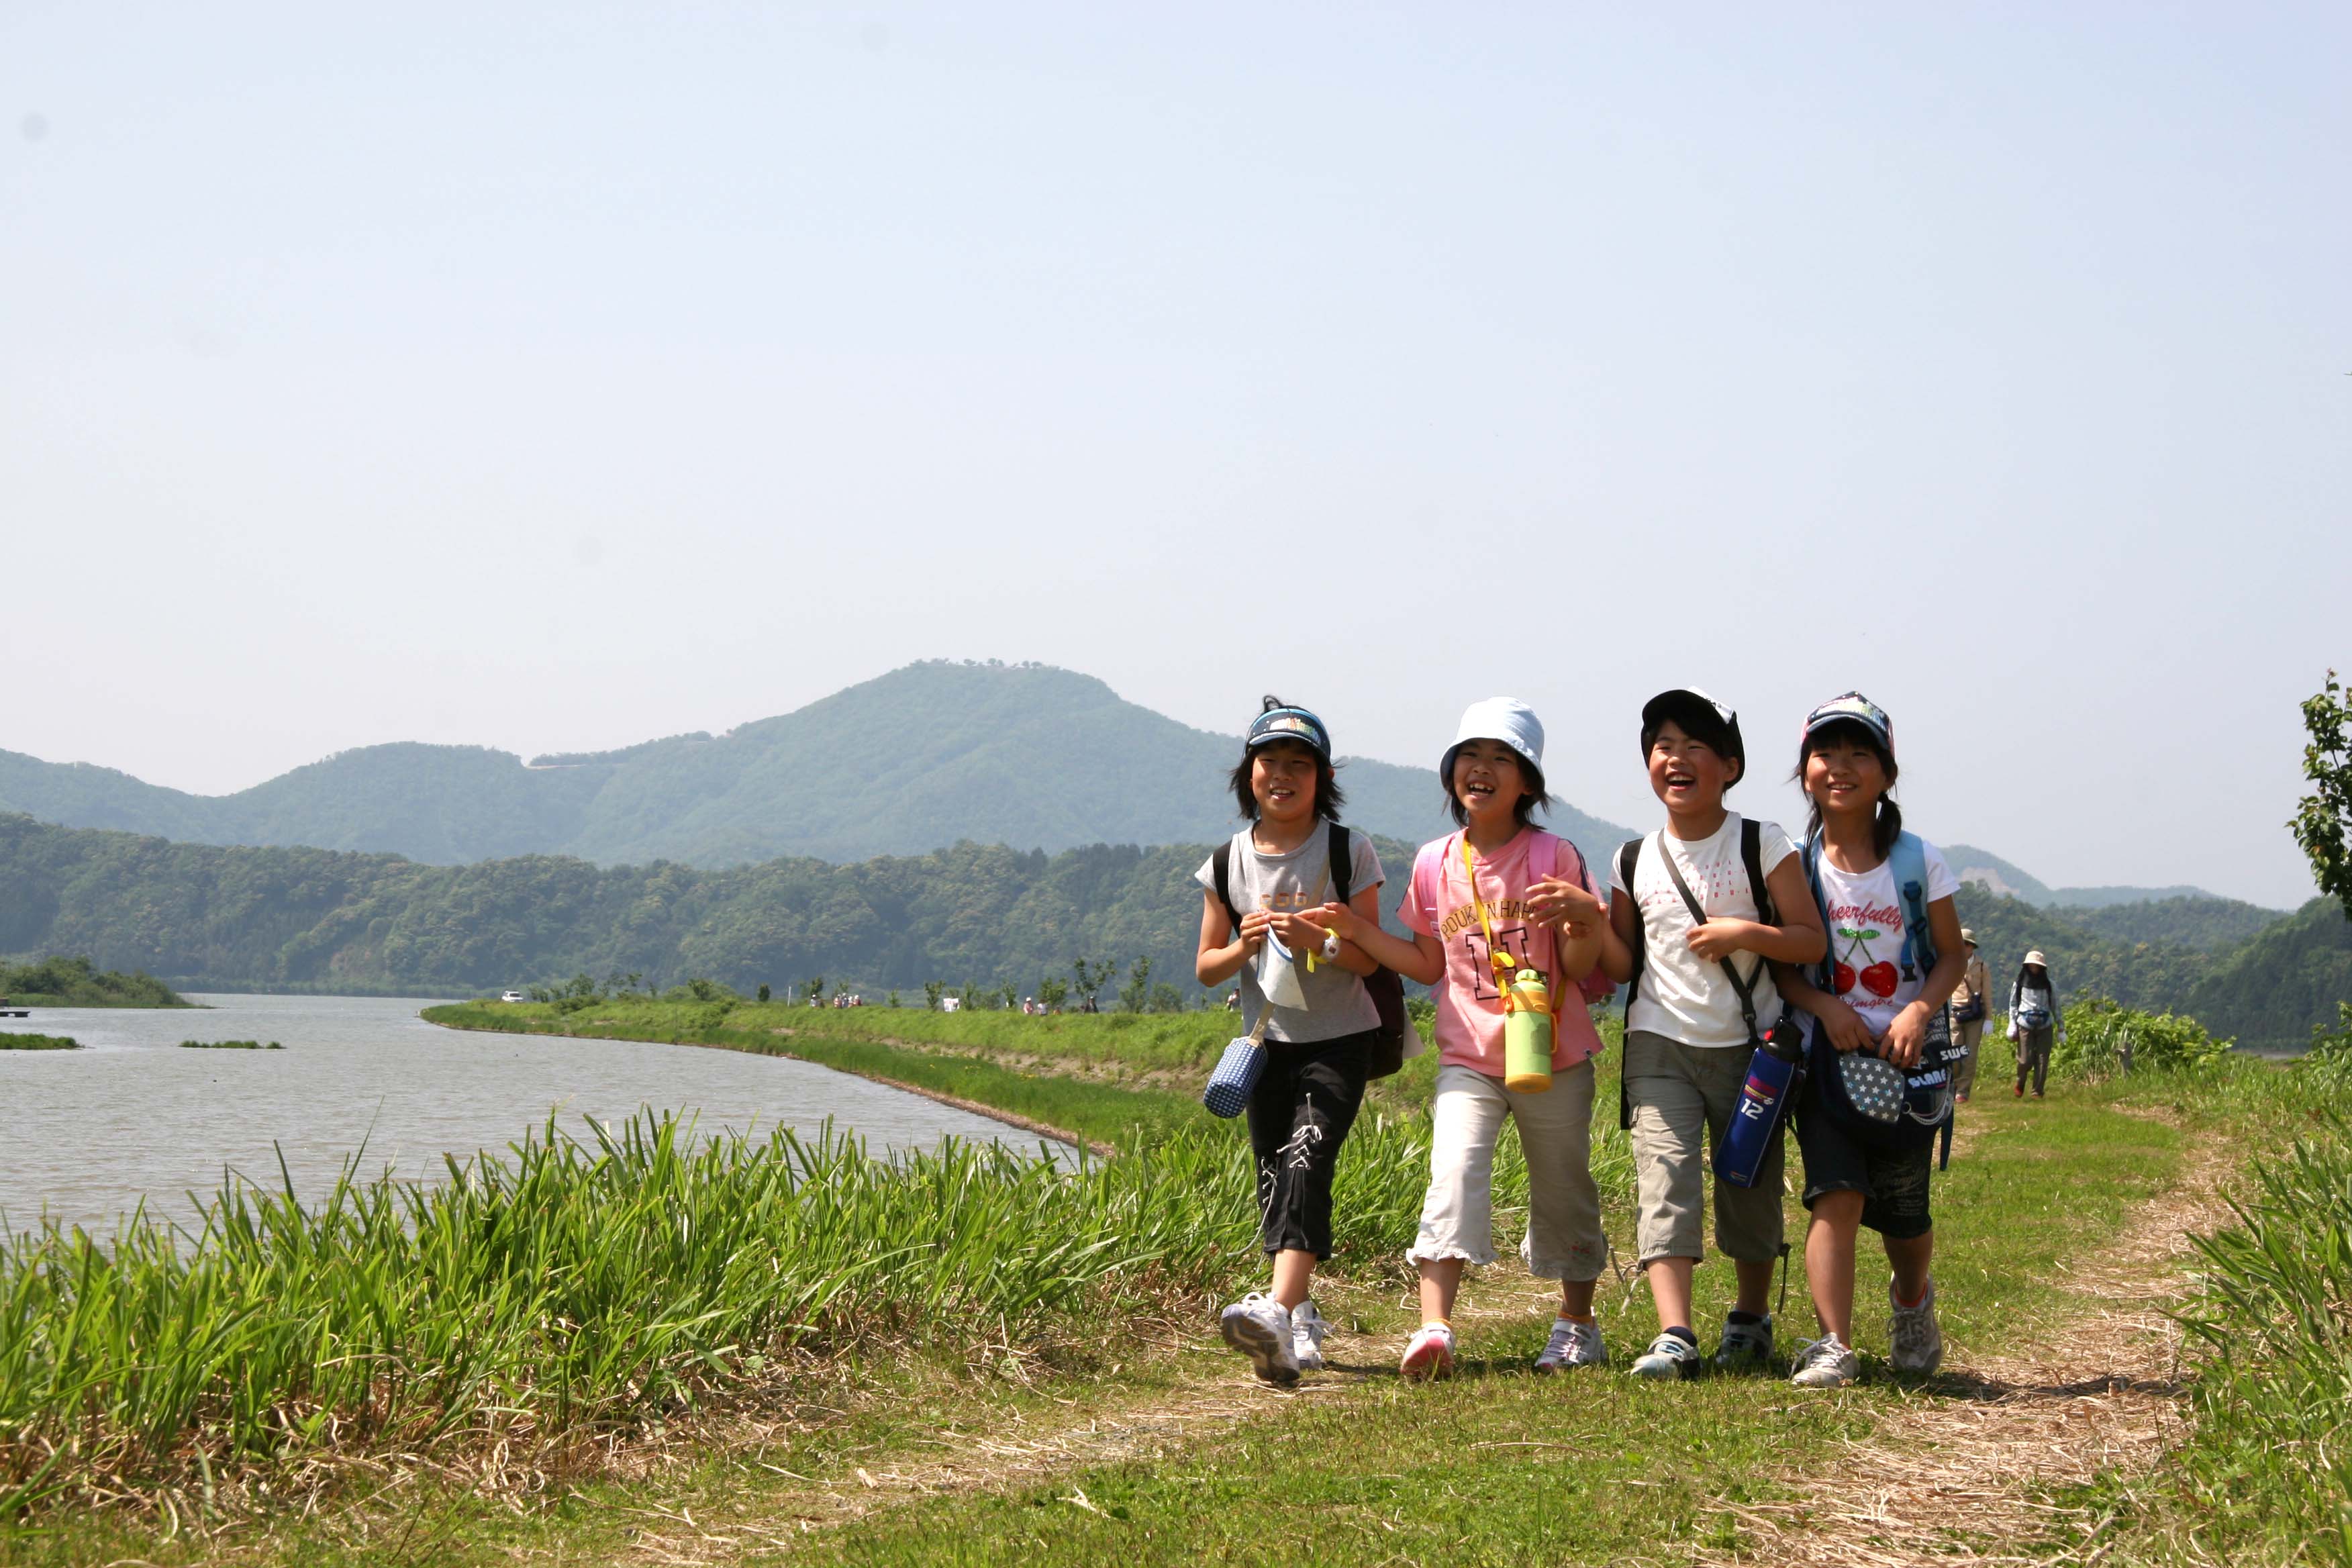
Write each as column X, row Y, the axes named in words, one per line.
column 1504, row 718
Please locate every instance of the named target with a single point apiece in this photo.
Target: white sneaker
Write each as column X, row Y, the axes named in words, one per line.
column 1572, row 1345
column 1918, row 1339
column 1825, row 1363
column 1259, row 1327
column 1669, row 1355
column 1307, row 1331
column 1745, row 1346
column 1429, row 1354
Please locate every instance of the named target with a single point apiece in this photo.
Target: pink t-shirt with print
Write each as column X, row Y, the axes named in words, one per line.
column 1469, row 1008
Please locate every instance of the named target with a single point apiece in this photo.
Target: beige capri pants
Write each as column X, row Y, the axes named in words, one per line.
column 1683, row 1098
column 1457, row 1217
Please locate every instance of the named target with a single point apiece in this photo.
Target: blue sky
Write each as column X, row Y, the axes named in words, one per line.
column 559, row 376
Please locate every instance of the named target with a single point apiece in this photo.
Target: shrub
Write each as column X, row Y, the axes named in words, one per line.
column 2098, row 1030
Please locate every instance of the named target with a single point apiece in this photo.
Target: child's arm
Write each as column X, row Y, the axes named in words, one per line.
column 1584, row 929
column 1420, row 959
column 1906, row 1036
column 1798, row 939
column 1221, row 953
column 1311, row 927
column 1845, row 1026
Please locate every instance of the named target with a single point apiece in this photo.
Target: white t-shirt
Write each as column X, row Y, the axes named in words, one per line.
column 1682, row 995
column 1866, row 914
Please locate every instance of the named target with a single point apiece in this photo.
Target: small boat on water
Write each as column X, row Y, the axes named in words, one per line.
column 8, row 1011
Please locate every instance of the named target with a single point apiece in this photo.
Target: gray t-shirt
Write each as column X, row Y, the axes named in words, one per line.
column 1337, row 1002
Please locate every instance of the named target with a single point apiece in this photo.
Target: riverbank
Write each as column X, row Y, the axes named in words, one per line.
column 59, row 982
column 1098, row 1418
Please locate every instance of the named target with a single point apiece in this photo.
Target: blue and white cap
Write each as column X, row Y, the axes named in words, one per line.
column 1855, row 709
column 1504, row 718
column 1290, row 724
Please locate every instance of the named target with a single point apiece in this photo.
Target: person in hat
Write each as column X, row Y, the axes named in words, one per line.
column 2034, row 1020
column 1879, row 995
column 1319, row 1019
column 1969, row 1004
column 1697, row 911
column 1499, row 897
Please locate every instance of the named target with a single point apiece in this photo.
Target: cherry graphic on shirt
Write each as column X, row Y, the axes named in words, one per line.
column 1879, row 979
column 1858, row 938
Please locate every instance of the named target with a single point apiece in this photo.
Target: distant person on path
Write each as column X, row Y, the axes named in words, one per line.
column 1319, row 1026
column 1969, row 1004
column 1697, row 911
column 1497, row 898
column 2034, row 1020
column 1896, row 954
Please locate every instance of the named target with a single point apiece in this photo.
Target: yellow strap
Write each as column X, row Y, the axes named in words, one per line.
column 1506, row 967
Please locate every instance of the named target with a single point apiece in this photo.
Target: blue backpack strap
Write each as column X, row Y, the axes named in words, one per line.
column 1909, row 860
column 1824, row 972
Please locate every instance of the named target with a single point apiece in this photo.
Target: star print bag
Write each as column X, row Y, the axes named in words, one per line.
column 1872, row 1101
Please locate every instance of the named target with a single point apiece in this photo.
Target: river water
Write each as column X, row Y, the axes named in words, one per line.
column 86, row 1135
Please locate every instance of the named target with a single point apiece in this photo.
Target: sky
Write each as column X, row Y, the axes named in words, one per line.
column 553, row 377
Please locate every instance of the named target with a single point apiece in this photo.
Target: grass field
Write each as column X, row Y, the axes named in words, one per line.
column 650, row 1349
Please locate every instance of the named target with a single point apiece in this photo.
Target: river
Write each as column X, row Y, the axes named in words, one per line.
column 86, row 1134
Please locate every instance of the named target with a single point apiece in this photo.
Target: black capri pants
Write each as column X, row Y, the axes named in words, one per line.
column 1299, row 1114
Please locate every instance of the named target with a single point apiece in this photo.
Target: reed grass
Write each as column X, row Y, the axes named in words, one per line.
column 229, row 1045
column 9, row 1042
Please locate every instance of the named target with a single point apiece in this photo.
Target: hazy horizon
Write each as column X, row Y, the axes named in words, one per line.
column 553, row 380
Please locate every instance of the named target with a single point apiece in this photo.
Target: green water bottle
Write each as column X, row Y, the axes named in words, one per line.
column 1527, row 1035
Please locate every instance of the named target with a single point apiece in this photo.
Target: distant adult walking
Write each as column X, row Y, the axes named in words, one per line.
column 2034, row 1020
column 1969, row 1004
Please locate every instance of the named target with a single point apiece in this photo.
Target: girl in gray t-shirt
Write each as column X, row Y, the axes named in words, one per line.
column 1258, row 890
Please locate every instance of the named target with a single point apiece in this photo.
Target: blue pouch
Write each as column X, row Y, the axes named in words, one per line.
column 1231, row 1081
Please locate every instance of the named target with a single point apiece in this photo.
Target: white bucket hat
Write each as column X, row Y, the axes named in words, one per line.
column 2035, row 958
column 1504, row 718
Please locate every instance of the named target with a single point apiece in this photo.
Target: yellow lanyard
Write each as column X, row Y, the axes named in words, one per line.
column 1506, row 967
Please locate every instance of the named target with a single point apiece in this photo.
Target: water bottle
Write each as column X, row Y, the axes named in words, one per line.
column 1527, row 1035
column 1764, row 1103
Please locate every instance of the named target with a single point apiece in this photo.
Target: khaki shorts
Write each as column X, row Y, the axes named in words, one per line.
column 1683, row 1099
column 1457, row 1217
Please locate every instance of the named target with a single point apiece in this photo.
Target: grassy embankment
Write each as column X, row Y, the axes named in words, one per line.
column 16, row 1042
column 572, row 1304
column 61, row 982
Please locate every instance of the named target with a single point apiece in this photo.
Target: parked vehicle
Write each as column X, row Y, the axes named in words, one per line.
column 509, row 995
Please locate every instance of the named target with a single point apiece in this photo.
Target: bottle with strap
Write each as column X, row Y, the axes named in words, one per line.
column 1527, row 1002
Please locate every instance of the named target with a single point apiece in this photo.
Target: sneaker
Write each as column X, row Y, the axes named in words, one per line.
column 1825, row 1363
column 1307, row 1331
column 1429, row 1353
column 1259, row 1327
column 2020, row 1091
column 1572, row 1345
column 1918, row 1340
column 1669, row 1355
column 1746, row 1347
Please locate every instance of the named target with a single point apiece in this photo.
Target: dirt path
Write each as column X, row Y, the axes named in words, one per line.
column 1958, row 1476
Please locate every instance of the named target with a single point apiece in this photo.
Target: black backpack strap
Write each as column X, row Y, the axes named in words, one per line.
column 1751, row 851
column 1629, row 854
column 1342, row 858
column 1744, row 989
column 1222, row 863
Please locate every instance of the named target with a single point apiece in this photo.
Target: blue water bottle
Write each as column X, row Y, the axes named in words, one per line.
column 1775, row 1070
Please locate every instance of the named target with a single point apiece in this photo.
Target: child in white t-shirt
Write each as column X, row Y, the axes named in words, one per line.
column 1703, row 995
column 1875, row 1002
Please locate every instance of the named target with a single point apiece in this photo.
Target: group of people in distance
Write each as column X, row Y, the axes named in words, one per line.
column 1712, row 958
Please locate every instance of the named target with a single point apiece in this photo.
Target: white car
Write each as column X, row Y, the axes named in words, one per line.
column 509, row 995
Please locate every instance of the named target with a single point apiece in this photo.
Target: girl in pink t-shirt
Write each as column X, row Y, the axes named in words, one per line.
column 1530, row 895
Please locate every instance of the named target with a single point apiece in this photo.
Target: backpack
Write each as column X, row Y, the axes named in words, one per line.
column 1629, row 855
column 1385, row 984
column 1920, row 1097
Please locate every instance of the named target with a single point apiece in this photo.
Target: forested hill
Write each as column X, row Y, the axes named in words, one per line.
column 204, row 915
column 927, row 755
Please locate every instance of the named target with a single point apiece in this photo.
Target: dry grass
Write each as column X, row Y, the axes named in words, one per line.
column 1962, row 1473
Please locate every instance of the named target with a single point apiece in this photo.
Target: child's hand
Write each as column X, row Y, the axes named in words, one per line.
column 1846, row 1028
column 1558, row 901
column 1720, row 939
column 1907, row 1037
column 1335, row 917
column 1255, row 926
column 1299, row 932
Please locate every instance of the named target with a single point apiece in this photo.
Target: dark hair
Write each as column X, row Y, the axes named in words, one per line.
column 1329, row 796
column 1530, row 774
column 1888, row 825
column 1701, row 723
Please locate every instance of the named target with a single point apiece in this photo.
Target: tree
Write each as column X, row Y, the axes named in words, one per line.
column 1136, row 995
column 932, row 991
column 1051, row 992
column 763, row 991
column 1091, row 977
column 2323, row 821
column 814, row 990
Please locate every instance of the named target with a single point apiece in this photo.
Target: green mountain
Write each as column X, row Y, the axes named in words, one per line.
column 1970, row 864
column 927, row 755
column 2270, row 991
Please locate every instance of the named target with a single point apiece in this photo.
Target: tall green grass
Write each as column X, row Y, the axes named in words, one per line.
column 12, row 1042
column 569, row 1289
